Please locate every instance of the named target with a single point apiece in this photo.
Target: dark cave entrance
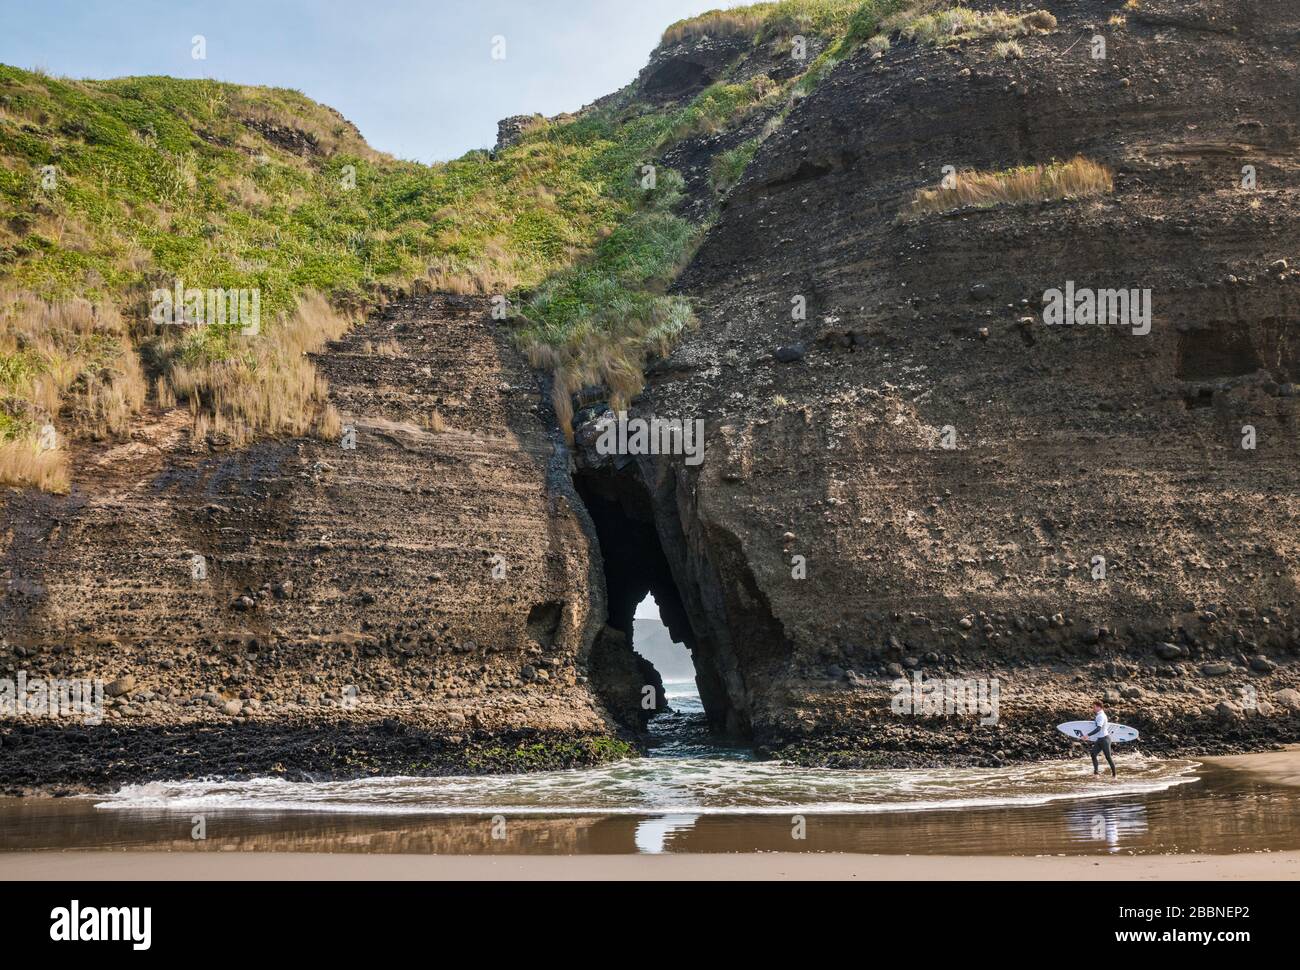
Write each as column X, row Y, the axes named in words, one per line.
column 636, row 568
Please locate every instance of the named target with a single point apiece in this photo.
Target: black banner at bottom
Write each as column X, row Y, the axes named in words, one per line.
column 528, row 919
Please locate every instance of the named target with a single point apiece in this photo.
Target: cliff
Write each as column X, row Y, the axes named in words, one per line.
column 952, row 469
column 913, row 474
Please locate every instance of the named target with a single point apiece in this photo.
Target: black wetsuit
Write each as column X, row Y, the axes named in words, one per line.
column 1101, row 745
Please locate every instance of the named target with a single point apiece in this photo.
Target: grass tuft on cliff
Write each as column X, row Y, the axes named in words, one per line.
column 71, row 360
column 1079, row 178
column 256, row 387
column 940, row 23
column 764, row 21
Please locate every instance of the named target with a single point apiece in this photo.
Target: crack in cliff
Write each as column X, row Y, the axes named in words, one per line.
column 635, row 563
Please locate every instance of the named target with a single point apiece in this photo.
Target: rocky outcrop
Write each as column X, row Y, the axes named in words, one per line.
column 952, row 473
column 511, row 130
column 438, row 571
column 629, row 682
column 679, row 71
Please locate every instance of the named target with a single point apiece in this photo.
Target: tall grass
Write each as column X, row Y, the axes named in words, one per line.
column 763, row 21
column 69, row 366
column 598, row 322
column 259, row 385
column 1076, row 179
column 938, row 22
column 738, row 22
column 26, row 464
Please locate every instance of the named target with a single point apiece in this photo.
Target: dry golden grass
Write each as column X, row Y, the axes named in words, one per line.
column 164, row 395
column 743, row 22
column 1079, row 178
column 70, row 365
column 386, row 348
column 330, row 425
column 269, row 386
column 65, row 232
column 246, row 193
column 433, row 421
column 135, row 259
column 592, row 358
column 940, row 22
column 494, row 270
column 456, row 283
column 104, row 407
column 25, row 464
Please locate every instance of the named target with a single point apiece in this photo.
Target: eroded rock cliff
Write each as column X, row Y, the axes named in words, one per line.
column 434, row 566
column 917, row 476
column 952, row 470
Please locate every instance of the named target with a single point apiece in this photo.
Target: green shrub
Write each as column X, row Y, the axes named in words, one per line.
column 730, row 166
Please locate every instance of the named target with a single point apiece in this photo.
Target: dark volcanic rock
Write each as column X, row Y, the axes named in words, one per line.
column 928, row 472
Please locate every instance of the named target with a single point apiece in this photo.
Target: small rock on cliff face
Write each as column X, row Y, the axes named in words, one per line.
column 511, row 130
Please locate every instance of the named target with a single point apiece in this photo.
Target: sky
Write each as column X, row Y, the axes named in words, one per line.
column 418, row 77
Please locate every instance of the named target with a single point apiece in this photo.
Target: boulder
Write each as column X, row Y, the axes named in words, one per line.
column 123, row 685
column 1288, row 698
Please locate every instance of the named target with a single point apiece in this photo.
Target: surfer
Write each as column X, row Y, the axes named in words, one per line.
column 1099, row 736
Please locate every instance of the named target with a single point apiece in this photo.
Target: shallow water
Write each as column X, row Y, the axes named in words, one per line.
column 686, row 772
column 690, row 794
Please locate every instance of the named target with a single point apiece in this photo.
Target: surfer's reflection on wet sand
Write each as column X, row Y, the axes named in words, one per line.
column 1106, row 823
column 653, row 834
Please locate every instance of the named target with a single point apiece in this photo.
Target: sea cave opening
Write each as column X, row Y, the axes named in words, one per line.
column 653, row 641
column 648, row 642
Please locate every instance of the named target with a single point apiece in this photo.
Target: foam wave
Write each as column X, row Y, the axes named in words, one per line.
column 665, row 785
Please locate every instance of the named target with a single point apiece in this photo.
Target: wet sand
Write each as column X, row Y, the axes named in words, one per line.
column 1275, row 767
column 1238, row 822
column 79, row 866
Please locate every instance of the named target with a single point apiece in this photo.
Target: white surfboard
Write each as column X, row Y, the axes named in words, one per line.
column 1119, row 733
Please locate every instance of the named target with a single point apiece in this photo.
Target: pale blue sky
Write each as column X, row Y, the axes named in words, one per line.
column 417, row 76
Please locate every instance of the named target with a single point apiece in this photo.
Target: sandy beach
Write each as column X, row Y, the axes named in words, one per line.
column 1275, row 767
column 206, row 866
